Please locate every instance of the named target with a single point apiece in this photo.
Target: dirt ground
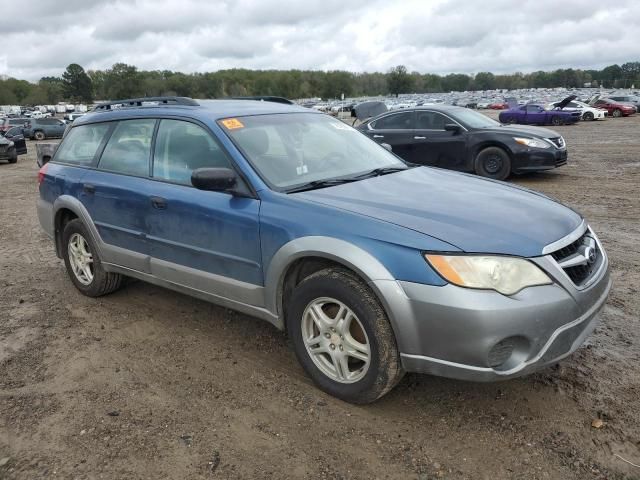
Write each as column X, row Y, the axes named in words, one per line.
column 148, row 383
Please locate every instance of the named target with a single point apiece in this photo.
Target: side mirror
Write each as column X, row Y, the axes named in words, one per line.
column 452, row 127
column 387, row 147
column 214, row 179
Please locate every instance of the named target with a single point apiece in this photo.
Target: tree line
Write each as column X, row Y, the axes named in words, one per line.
column 126, row 81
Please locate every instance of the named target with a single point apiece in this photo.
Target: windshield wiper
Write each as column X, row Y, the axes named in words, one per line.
column 338, row 181
column 321, row 184
column 376, row 172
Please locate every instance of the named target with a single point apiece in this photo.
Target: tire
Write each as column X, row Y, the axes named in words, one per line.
column 13, row 159
column 493, row 162
column 556, row 121
column 99, row 282
column 588, row 116
column 330, row 291
column 617, row 113
column 39, row 135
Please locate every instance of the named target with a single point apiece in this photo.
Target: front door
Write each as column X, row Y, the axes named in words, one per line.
column 435, row 146
column 209, row 241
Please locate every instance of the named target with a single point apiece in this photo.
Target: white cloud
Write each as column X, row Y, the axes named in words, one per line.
column 439, row 36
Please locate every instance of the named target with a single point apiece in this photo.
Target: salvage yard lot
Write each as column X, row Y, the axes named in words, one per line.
column 148, row 383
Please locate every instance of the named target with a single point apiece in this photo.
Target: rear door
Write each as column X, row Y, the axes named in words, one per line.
column 116, row 193
column 209, row 241
column 395, row 129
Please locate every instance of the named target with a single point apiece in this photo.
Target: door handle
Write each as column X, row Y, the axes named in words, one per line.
column 158, row 202
column 378, row 136
column 419, row 138
column 89, row 189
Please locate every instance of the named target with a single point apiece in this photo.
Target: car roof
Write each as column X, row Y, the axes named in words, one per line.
column 204, row 110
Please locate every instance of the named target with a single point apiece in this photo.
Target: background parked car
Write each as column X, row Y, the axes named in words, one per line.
column 461, row 139
column 41, row 128
column 498, row 106
column 614, row 108
column 70, row 117
column 12, row 144
column 586, row 111
column 533, row 114
column 7, row 123
column 631, row 99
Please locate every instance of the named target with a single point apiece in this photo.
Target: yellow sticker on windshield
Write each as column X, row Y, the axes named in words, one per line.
column 232, row 123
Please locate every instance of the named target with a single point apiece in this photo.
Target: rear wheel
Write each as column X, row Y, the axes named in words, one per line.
column 617, row 113
column 493, row 162
column 342, row 336
column 587, row 116
column 39, row 135
column 83, row 262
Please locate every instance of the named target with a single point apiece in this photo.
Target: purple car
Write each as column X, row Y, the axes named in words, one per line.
column 533, row 114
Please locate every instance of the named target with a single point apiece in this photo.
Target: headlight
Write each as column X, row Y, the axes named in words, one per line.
column 532, row 142
column 507, row 275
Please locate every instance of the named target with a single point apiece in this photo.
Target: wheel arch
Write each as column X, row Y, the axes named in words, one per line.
column 301, row 257
column 67, row 208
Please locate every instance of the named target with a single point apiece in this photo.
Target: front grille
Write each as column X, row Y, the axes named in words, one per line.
column 557, row 141
column 580, row 259
column 3, row 148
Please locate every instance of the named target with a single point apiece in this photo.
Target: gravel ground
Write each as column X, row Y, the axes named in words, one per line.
column 148, row 383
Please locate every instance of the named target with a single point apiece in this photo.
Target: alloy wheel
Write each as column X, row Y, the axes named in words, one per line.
column 336, row 340
column 80, row 259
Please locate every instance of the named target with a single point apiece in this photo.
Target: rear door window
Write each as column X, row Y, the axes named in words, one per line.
column 395, row 121
column 430, row 121
column 129, row 148
column 81, row 144
column 182, row 147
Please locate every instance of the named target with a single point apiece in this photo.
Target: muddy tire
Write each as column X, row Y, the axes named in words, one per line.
column 493, row 162
column 83, row 262
column 342, row 336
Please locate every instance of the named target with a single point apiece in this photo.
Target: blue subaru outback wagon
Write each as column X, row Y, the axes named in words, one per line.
column 374, row 268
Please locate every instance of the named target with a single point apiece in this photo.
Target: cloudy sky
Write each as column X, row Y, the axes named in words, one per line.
column 440, row 36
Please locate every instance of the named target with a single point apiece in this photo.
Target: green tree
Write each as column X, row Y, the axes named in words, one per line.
column 484, row 81
column 76, row 84
column 398, row 80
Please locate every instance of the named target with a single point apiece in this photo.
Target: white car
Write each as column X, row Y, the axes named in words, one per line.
column 587, row 112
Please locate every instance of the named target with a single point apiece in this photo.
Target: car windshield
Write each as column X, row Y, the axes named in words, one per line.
column 296, row 149
column 475, row 120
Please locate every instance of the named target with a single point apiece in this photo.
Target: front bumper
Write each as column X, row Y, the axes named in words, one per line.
column 460, row 333
column 537, row 160
column 7, row 153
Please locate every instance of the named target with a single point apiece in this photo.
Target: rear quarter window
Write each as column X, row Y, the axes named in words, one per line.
column 81, row 144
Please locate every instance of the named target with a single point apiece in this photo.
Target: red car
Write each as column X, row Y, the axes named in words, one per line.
column 615, row 109
column 499, row 106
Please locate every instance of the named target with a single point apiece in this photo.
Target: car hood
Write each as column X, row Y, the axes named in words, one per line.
column 566, row 101
column 3, row 140
column 468, row 212
column 519, row 130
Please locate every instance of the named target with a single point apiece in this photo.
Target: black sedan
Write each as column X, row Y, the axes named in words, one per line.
column 461, row 139
column 12, row 144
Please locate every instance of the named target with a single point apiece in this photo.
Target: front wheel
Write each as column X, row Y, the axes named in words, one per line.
column 83, row 262
column 556, row 121
column 588, row 116
column 493, row 162
column 13, row 159
column 617, row 113
column 39, row 135
column 342, row 336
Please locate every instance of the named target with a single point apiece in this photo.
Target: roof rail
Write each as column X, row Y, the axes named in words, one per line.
column 138, row 102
